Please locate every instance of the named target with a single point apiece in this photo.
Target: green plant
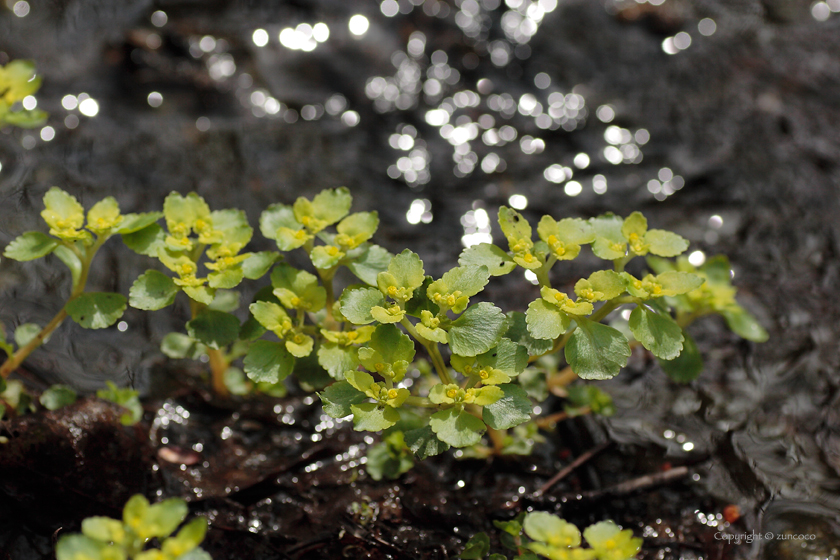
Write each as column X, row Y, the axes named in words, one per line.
column 103, row 538
column 17, row 81
column 193, row 236
column 75, row 242
column 541, row 534
column 360, row 347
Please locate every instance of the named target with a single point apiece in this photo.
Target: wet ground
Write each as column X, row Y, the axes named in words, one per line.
column 717, row 120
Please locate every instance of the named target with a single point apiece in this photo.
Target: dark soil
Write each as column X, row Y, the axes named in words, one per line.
column 748, row 118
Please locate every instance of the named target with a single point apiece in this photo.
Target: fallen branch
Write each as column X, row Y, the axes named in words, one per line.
column 641, row 483
column 569, row 468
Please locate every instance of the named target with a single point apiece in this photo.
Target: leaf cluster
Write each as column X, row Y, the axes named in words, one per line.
column 17, row 81
column 545, row 535
column 103, row 538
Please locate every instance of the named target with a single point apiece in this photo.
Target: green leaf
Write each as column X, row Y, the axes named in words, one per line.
column 388, row 346
column 291, row 283
column 135, row 222
column 163, row 518
column 742, row 323
column 215, row 329
column 507, row 356
column 546, row 321
column 257, row 265
column 71, row 260
column 609, row 243
column 148, row 241
column 658, row 333
column 325, row 257
column 420, row 301
column 26, row 332
column 330, row 205
column 497, row 261
column 96, row 310
column 225, row 279
column 178, row 346
column 152, row 290
column 356, row 302
column 275, row 217
column 665, row 243
column 337, row 359
column 268, row 361
column 675, row 283
column 201, row 294
column 372, row 417
column 30, row 246
column 225, row 300
column 125, row 397
column 57, row 396
column 25, row 118
column 518, row 332
column 469, row 280
column 546, row 527
column 511, row 410
column 389, row 459
column 404, row 271
column 62, row 213
column 356, row 228
column 513, row 225
column 236, row 382
column 368, row 261
column 687, row 366
column 104, row 529
column 478, row 330
column 457, row 427
column 596, row 351
column 338, row 397
column 234, row 226
column 78, row 547
column 424, row 443
column 477, row 547
column 609, row 541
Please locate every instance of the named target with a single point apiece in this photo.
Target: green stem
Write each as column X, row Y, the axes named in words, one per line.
column 23, row 352
column 327, row 278
column 85, row 257
column 217, row 360
column 431, row 349
column 542, row 272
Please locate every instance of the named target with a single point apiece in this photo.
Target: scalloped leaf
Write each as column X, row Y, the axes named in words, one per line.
column 268, row 362
column 546, row 321
column 30, row 246
column 96, row 310
column 356, row 302
column 339, row 397
column 457, row 427
column 215, row 329
column 687, row 366
column 479, row 329
column 148, row 241
column 511, row 410
column 424, row 443
column 658, row 333
column 497, row 261
column 368, row 261
column 596, row 351
column 371, row 417
column 152, row 290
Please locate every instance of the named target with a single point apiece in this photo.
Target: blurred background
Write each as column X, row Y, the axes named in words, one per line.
column 716, row 119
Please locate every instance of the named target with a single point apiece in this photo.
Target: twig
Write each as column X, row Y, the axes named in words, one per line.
column 569, row 468
column 641, row 483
